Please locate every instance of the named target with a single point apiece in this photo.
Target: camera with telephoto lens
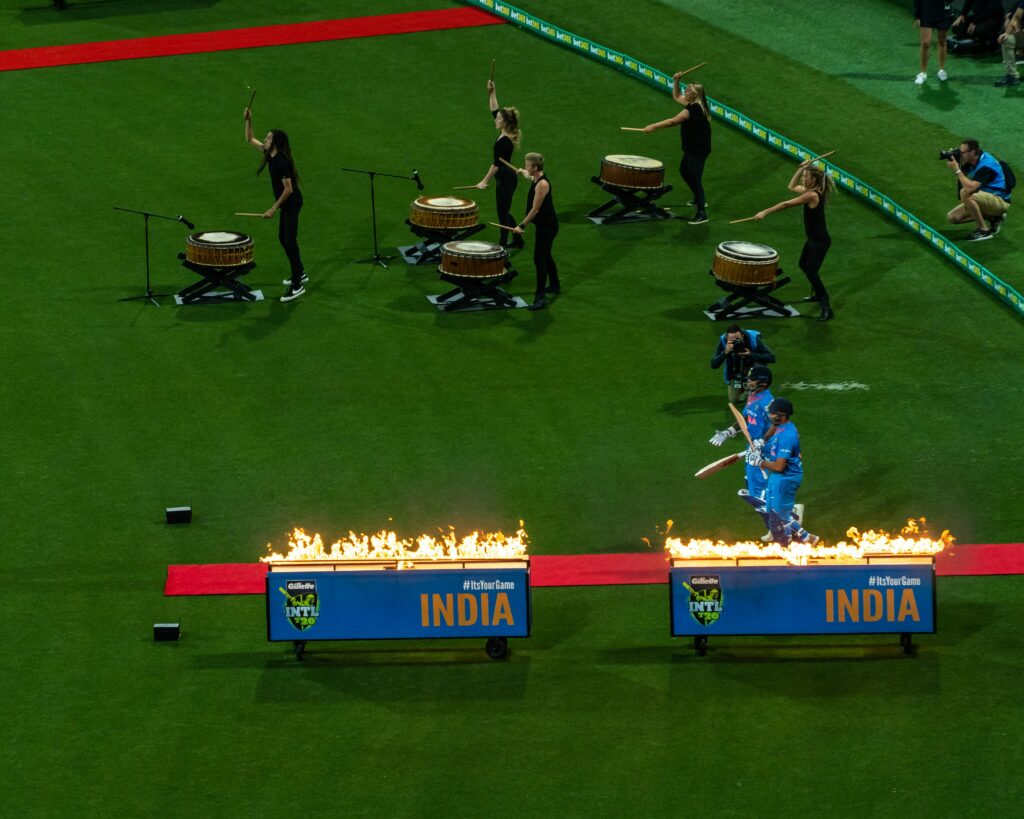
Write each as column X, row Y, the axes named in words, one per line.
column 952, row 153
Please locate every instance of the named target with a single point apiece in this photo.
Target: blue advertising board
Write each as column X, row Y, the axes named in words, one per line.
column 381, row 605
column 886, row 598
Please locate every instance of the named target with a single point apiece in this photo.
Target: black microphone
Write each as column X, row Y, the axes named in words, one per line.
column 186, row 222
column 416, row 178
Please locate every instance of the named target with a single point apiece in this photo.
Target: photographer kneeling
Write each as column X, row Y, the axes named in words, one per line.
column 983, row 187
column 740, row 350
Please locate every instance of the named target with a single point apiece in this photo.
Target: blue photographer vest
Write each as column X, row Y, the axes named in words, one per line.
column 998, row 185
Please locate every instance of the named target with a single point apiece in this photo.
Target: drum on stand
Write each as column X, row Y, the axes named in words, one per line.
column 477, row 269
column 632, row 172
column 443, row 213
column 220, row 248
column 745, row 263
column 473, row 260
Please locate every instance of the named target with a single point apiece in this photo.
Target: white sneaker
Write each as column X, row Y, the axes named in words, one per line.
column 767, row 537
column 920, row 78
column 943, row 76
column 305, row 279
column 291, row 295
column 798, row 513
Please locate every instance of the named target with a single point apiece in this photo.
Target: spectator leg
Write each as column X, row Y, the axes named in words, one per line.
column 1010, row 55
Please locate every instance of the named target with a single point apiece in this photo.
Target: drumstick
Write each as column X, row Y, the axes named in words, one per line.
column 248, row 214
column 503, row 227
column 624, row 128
column 462, row 187
column 815, row 159
column 688, row 70
column 748, row 219
column 249, row 106
column 491, row 78
column 513, row 167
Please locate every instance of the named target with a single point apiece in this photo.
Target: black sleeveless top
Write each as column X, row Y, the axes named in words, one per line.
column 695, row 131
column 814, row 223
column 546, row 216
column 503, row 149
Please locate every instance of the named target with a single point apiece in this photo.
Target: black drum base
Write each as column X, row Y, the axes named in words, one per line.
column 228, row 278
column 750, row 301
column 472, row 294
column 428, row 251
column 634, row 204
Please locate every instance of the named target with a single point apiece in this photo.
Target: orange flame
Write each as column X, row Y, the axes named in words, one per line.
column 911, row 541
column 387, row 545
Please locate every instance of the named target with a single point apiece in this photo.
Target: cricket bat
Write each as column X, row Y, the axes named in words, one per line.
column 721, row 463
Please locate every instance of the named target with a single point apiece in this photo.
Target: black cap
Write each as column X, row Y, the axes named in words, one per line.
column 781, row 405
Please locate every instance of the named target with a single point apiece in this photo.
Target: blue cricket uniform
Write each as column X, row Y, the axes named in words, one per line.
column 780, row 494
column 755, row 413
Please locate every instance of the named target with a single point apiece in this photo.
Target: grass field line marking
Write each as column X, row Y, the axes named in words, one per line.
column 203, row 42
column 841, row 386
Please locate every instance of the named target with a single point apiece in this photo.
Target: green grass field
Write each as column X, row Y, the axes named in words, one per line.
column 360, row 406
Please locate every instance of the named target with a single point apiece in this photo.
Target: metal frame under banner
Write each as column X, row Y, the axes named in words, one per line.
column 652, row 76
column 756, row 596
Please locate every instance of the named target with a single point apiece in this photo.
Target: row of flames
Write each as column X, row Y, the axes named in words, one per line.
column 387, row 545
column 912, row 541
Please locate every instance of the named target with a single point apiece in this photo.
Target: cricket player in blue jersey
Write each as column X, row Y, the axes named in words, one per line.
column 755, row 413
column 780, row 456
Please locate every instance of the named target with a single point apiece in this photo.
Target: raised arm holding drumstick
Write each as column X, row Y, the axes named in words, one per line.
column 284, row 179
column 813, row 187
column 694, row 123
column 506, row 120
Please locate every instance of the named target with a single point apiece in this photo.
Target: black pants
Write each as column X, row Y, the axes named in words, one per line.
column 547, row 270
column 984, row 32
column 691, row 168
column 288, row 235
column 504, row 191
column 811, row 259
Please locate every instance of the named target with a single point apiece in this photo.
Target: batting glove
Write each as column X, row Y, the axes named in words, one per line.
column 723, row 435
column 754, row 453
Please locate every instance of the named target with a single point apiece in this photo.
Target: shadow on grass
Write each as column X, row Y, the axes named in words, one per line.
column 100, row 9
column 259, row 319
column 697, row 404
column 398, row 676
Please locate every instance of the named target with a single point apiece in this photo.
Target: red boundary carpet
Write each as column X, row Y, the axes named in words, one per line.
column 201, row 42
column 581, row 570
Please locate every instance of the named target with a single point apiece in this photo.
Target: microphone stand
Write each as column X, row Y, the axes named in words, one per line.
column 377, row 258
column 149, row 295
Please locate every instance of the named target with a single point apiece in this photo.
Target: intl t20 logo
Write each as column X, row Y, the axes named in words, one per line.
column 301, row 603
column 705, row 598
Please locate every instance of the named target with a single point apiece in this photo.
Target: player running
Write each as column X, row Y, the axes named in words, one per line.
column 781, row 457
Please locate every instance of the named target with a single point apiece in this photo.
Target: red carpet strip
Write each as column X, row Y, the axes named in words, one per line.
column 172, row 45
column 582, row 570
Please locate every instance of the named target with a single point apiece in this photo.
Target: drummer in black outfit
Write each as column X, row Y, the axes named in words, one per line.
column 694, row 123
column 814, row 186
column 284, row 179
column 541, row 212
column 506, row 120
